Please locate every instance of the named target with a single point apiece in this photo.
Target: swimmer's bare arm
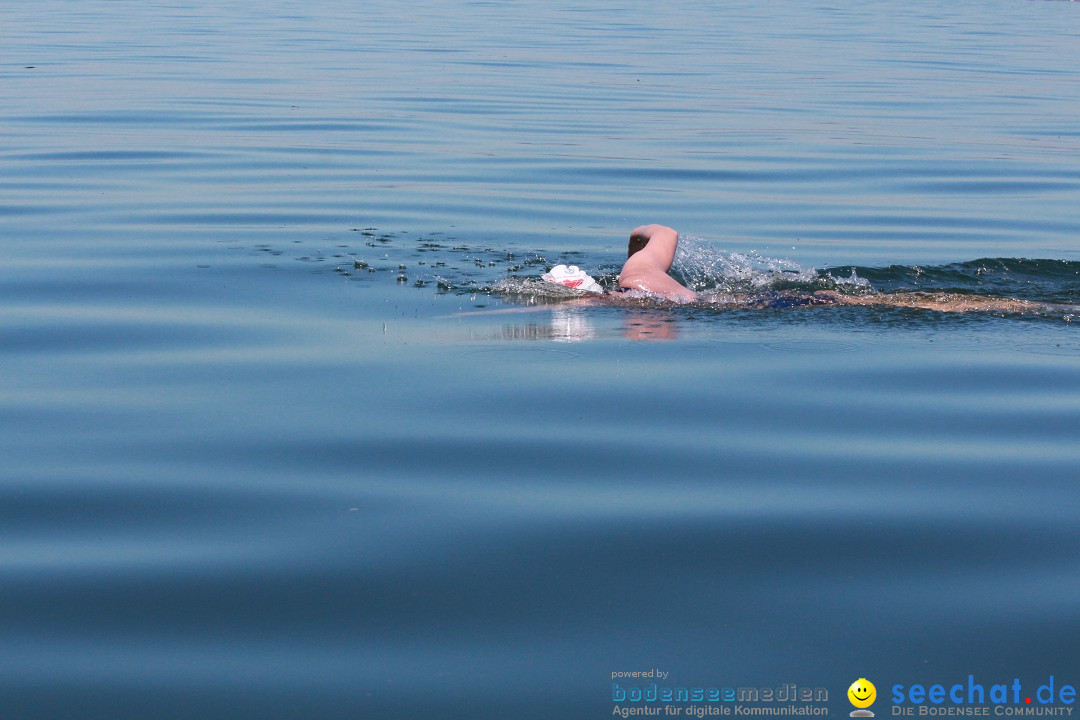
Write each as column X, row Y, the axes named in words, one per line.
column 649, row 257
column 656, row 241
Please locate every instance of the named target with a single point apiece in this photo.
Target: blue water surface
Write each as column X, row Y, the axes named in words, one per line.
column 273, row 448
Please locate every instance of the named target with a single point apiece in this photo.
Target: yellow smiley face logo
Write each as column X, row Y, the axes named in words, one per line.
column 862, row 693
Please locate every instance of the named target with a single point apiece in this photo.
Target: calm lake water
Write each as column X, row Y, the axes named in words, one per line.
column 273, row 447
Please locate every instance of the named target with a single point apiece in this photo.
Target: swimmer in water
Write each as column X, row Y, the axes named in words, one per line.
column 648, row 260
column 652, row 251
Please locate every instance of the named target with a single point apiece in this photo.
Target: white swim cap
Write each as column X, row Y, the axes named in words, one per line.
column 573, row 277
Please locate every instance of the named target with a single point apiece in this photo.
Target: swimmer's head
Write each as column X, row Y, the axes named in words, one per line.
column 572, row 277
column 637, row 243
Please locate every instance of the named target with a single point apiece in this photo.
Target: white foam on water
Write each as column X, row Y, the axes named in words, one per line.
column 852, row 281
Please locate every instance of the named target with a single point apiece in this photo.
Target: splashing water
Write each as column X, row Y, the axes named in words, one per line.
column 703, row 268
